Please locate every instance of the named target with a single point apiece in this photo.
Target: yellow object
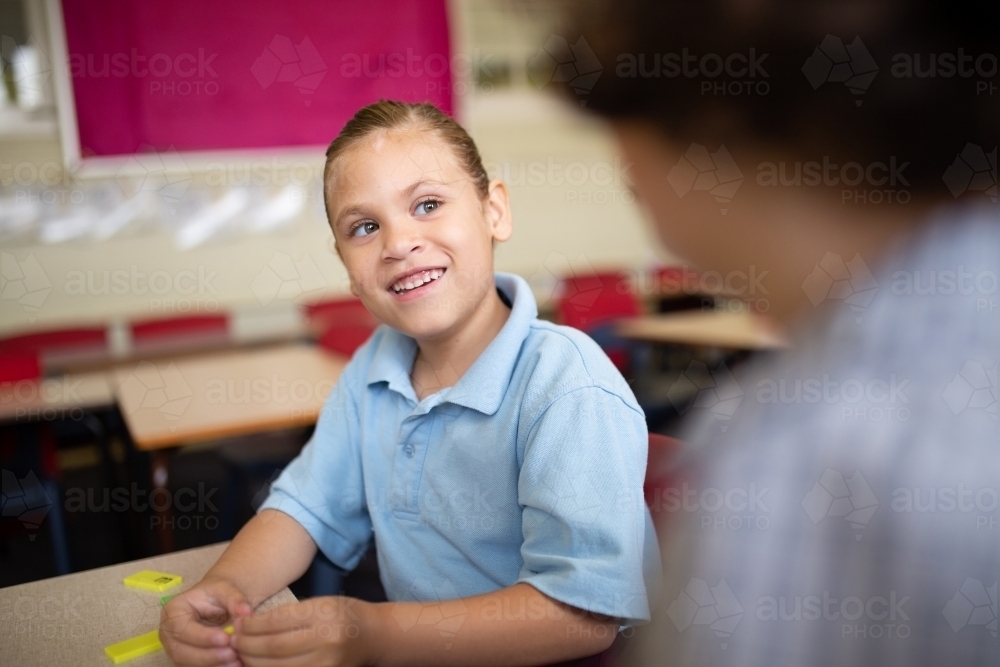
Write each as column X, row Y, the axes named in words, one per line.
column 152, row 580
column 141, row 645
column 133, row 648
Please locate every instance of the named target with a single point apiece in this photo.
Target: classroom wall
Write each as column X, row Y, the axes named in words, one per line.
column 572, row 211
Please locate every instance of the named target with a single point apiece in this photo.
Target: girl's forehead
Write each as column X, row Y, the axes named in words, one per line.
column 388, row 156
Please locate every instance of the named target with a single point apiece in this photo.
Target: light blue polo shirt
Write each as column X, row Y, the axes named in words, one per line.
column 530, row 468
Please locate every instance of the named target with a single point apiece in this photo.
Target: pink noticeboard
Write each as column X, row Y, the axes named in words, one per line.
column 196, row 75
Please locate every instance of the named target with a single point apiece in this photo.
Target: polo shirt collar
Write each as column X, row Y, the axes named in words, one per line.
column 484, row 385
column 392, row 362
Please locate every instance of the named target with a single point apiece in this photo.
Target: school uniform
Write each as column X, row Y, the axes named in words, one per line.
column 529, row 469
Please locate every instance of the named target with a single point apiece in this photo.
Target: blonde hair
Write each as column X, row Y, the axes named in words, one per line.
column 390, row 114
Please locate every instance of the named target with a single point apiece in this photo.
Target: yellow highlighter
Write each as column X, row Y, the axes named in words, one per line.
column 152, row 580
column 141, row 645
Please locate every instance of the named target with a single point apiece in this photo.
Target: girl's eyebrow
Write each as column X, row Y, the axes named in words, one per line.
column 350, row 210
column 424, row 181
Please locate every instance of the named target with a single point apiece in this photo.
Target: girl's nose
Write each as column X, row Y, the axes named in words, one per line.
column 401, row 238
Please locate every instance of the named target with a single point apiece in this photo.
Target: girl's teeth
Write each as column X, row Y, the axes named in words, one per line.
column 423, row 278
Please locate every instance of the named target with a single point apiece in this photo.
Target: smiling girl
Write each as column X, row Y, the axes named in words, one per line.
column 496, row 460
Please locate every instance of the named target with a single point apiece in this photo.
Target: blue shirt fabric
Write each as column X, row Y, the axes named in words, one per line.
column 530, row 468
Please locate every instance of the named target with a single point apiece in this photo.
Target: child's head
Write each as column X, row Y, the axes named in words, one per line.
column 405, row 189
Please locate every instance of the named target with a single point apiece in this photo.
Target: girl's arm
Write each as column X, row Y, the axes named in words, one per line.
column 269, row 553
column 517, row 625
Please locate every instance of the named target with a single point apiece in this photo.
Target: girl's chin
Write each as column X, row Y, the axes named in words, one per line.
column 426, row 334
column 423, row 330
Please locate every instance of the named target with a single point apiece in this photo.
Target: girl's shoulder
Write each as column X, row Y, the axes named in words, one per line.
column 557, row 359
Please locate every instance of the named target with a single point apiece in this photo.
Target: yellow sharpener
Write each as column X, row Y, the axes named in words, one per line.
column 152, row 580
column 138, row 646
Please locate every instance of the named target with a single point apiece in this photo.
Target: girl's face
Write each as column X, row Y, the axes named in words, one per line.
column 411, row 229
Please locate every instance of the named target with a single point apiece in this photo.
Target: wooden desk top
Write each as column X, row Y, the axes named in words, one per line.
column 169, row 403
column 55, row 397
column 69, row 620
column 733, row 330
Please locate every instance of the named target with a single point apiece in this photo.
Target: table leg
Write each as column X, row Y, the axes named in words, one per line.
column 160, row 467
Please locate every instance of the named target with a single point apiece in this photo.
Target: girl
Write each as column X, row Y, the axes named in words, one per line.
column 496, row 460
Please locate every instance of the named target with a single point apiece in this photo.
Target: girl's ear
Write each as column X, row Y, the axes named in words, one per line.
column 497, row 210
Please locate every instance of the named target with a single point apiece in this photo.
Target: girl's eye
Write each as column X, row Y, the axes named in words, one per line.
column 425, row 207
column 367, row 227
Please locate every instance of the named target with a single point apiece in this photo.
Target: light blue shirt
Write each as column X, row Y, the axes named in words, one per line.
column 530, row 468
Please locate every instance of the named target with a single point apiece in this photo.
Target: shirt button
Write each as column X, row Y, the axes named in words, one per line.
column 408, row 450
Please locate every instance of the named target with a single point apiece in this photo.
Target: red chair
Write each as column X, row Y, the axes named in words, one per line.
column 590, row 300
column 591, row 303
column 180, row 334
column 193, row 326
column 675, row 281
column 662, row 473
column 341, row 325
column 22, row 357
column 18, row 366
column 56, row 339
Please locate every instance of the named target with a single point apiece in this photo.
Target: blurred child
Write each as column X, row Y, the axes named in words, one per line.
column 887, row 280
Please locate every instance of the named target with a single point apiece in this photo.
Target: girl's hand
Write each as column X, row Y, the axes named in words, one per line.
column 191, row 623
column 319, row 631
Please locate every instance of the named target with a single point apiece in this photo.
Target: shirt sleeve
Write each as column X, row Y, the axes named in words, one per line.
column 323, row 487
column 588, row 539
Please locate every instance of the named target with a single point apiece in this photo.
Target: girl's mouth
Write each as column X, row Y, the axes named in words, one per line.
column 417, row 284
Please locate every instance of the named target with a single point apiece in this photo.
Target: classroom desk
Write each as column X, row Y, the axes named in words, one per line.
column 69, row 620
column 168, row 403
column 174, row 402
column 732, row 330
column 63, row 396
